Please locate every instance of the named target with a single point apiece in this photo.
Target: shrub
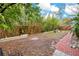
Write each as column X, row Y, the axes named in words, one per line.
column 76, row 25
column 50, row 24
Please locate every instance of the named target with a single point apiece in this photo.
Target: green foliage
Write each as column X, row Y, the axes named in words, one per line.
column 13, row 14
column 77, row 30
column 50, row 24
column 19, row 15
column 25, row 15
column 3, row 24
column 76, row 19
column 22, row 15
column 76, row 25
column 32, row 13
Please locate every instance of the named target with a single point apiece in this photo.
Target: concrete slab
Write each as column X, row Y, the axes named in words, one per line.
column 59, row 53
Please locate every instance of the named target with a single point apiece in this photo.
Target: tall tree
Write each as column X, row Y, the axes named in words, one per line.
column 12, row 15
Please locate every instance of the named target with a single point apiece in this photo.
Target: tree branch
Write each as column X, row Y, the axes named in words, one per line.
column 3, row 9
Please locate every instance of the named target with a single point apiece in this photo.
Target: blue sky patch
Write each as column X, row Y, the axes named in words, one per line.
column 63, row 10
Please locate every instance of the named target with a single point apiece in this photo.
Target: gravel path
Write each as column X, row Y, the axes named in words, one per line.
column 41, row 44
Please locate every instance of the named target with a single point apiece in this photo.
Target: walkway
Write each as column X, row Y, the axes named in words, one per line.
column 33, row 45
column 64, row 46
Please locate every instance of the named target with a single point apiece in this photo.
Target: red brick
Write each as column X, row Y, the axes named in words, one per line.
column 64, row 46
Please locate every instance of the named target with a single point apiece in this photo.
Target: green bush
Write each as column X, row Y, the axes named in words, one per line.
column 76, row 25
column 50, row 24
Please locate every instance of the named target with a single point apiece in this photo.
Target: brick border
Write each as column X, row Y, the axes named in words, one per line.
column 64, row 46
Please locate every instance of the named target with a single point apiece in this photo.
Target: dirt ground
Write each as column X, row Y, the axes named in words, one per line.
column 42, row 44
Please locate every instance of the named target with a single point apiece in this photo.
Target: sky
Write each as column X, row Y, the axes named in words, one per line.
column 65, row 9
